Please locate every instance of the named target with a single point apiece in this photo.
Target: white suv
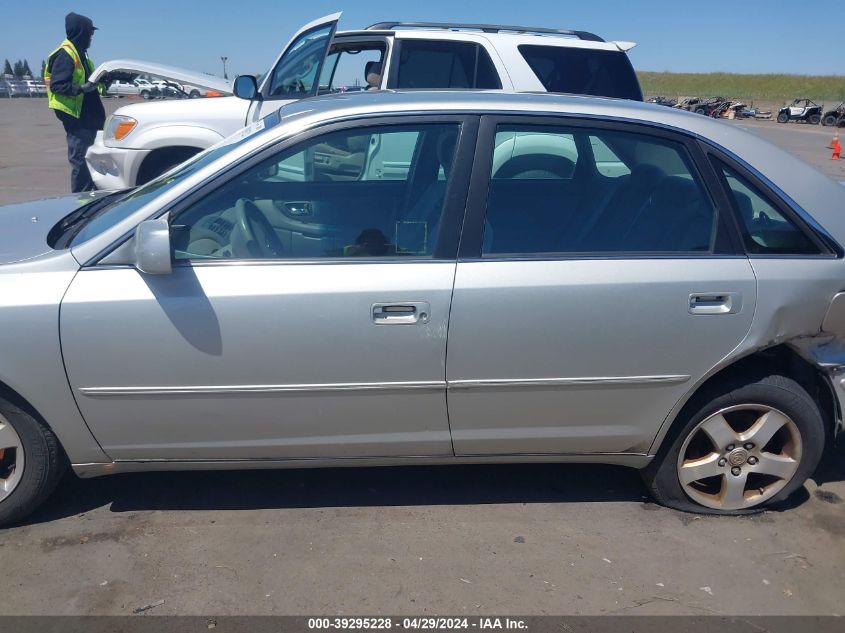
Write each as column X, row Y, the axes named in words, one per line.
column 141, row 141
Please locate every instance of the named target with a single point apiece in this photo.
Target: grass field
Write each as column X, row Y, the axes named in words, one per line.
column 771, row 88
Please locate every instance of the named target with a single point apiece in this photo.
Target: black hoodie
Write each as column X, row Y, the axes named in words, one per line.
column 79, row 30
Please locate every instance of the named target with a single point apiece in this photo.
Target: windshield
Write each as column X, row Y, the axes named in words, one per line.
column 92, row 219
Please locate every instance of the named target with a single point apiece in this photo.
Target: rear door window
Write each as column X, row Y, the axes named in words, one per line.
column 548, row 195
column 583, row 71
column 444, row 64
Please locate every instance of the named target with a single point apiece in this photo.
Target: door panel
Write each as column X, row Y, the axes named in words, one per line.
column 297, row 70
column 584, row 355
column 259, row 361
column 587, row 300
column 332, row 344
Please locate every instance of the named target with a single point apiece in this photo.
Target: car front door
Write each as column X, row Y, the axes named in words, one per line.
column 296, row 73
column 588, row 300
column 306, row 313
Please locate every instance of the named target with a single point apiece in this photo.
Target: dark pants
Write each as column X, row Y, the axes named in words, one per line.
column 78, row 142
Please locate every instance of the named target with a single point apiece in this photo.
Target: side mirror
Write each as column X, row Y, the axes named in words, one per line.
column 245, row 87
column 152, row 247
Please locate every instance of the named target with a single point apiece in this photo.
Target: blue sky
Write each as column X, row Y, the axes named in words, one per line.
column 676, row 35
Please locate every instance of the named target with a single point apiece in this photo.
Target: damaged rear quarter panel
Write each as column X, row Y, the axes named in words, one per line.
column 793, row 297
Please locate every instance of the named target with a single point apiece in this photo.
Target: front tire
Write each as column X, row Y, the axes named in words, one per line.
column 740, row 449
column 829, row 121
column 31, row 463
column 783, row 117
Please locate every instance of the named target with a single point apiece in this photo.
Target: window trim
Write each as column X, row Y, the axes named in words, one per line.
column 453, row 205
column 398, row 43
column 473, row 229
column 778, row 199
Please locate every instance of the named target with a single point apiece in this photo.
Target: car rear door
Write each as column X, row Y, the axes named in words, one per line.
column 296, row 73
column 588, row 300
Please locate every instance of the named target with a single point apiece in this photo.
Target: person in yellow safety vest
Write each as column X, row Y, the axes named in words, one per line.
column 74, row 99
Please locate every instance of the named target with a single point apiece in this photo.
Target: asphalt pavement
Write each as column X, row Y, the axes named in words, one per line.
column 529, row 539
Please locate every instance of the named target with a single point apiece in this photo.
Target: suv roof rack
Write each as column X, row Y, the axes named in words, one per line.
column 486, row 28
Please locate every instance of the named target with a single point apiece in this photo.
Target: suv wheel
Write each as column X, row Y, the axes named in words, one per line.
column 815, row 119
column 783, row 117
column 163, row 160
column 829, row 120
column 31, row 463
column 750, row 447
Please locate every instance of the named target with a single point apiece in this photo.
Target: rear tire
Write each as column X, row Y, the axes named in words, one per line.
column 815, row 119
column 796, row 448
column 41, row 458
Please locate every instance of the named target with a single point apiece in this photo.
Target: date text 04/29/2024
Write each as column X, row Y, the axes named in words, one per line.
column 417, row 623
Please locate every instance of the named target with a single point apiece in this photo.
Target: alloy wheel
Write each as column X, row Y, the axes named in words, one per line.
column 739, row 457
column 11, row 458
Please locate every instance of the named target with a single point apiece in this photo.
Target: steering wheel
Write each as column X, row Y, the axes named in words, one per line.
column 253, row 237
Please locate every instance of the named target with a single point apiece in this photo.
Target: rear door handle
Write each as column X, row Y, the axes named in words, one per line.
column 404, row 313
column 715, row 303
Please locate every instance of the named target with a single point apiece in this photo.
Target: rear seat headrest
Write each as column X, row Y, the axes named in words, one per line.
column 645, row 176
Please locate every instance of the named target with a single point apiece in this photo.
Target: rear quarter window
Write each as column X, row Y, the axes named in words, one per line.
column 583, row 71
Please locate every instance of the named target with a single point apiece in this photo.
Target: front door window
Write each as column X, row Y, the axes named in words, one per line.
column 299, row 69
column 369, row 192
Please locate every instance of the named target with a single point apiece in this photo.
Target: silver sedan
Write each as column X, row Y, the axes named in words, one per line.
column 388, row 278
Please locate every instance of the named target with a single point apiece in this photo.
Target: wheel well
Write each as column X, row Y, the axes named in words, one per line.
column 780, row 359
column 12, row 396
column 163, row 156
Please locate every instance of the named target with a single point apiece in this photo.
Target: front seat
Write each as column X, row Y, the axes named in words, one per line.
column 372, row 73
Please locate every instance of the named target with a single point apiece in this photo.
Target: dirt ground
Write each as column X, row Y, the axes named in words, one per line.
column 532, row 539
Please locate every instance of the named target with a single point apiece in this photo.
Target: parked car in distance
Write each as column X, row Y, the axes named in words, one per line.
column 617, row 282
column 148, row 90
column 120, row 88
column 387, row 55
column 17, row 88
column 804, row 110
column 35, row 88
column 4, row 89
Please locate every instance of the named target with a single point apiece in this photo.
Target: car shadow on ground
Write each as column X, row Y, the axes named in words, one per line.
column 360, row 487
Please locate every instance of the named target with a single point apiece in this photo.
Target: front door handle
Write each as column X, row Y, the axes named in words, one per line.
column 715, row 303
column 401, row 313
column 299, row 209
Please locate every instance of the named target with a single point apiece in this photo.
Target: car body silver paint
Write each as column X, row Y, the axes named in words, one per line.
column 99, row 469
column 31, row 357
column 572, row 318
column 793, row 296
column 26, row 225
column 275, row 331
